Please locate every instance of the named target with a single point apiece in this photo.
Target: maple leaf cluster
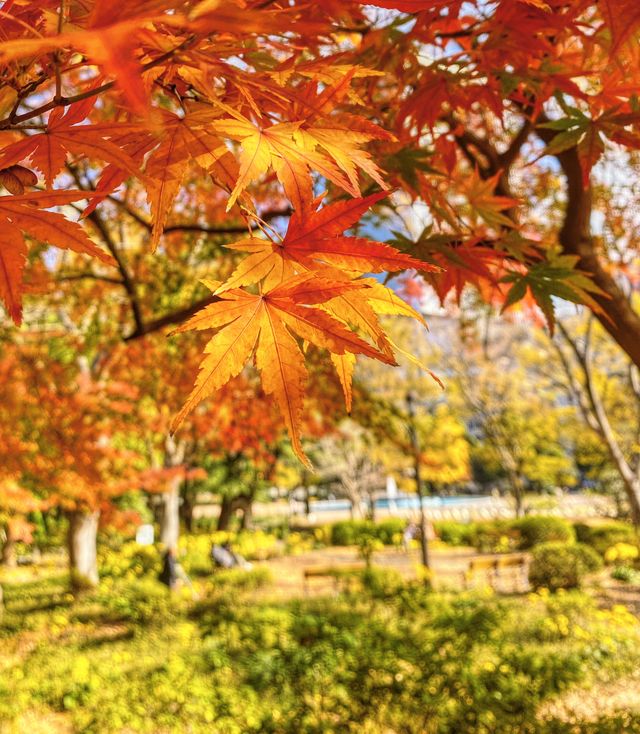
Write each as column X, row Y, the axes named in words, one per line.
column 157, row 119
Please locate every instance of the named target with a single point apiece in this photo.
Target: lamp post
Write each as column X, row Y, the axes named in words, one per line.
column 413, row 436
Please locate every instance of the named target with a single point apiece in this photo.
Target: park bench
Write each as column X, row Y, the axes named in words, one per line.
column 337, row 573
column 492, row 569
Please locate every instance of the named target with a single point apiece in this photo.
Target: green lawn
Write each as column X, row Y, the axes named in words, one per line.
column 385, row 658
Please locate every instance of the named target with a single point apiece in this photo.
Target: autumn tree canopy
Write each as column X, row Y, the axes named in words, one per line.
column 221, row 166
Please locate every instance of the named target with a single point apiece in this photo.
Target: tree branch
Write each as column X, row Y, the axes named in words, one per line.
column 60, row 101
column 574, row 386
column 200, row 228
column 175, row 317
column 617, row 316
column 89, row 276
column 126, row 281
column 599, row 412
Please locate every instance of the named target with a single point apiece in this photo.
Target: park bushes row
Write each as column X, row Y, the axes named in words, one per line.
column 494, row 536
column 525, row 533
column 488, row 536
column 558, row 560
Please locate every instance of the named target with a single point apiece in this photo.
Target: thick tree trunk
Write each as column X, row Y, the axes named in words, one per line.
column 617, row 315
column 230, row 506
column 8, row 557
column 82, row 536
column 170, row 522
column 226, row 513
column 633, row 495
column 187, row 516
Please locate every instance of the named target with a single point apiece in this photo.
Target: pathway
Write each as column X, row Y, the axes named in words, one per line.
column 449, row 565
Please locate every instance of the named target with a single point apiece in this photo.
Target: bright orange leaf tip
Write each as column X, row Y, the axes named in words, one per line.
column 269, row 325
column 316, row 241
column 23, row 215
column 293, row 150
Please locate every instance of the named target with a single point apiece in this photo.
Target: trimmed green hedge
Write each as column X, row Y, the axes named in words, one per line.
column 538, row 529
column 493, row 536
column 602, row 537
column 557, row 565
column 352, row 532
column 452, row 532
column 489, row 536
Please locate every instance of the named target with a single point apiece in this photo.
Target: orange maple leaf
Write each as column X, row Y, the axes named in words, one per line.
column 183, row 140
column 24, row 214
column 48, row 150
column 293, row 152
column 268, row 324
column 316, row 241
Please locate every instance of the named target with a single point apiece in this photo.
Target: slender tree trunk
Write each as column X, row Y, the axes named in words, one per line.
column 82, row 536
column 595, row 414
column 170, row 524
column 372, row 507
column 187, row 507
column 307, row 501
column 413, row 436
column 518, row 494
column 247, row 513
column 8, row 557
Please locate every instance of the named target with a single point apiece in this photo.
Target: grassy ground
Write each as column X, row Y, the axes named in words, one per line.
column 253, row 655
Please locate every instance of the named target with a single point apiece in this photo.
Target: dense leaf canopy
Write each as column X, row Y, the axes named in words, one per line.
column 488, row 139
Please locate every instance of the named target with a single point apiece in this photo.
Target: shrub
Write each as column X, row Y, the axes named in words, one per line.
column 322, row 535
column 130, row 561
column 144, row 601
column 354, row 532
column 253, row 546
column 299, row 543
column 536, row 529
column 495, row 536
column 382, row 583
column 347, row 532
column 368, row 543
column 621, row 552
column 455, row 533
column 602, row 537
column 557, row 565
column 627, row 574
column 390, row 530
column 204, row 524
